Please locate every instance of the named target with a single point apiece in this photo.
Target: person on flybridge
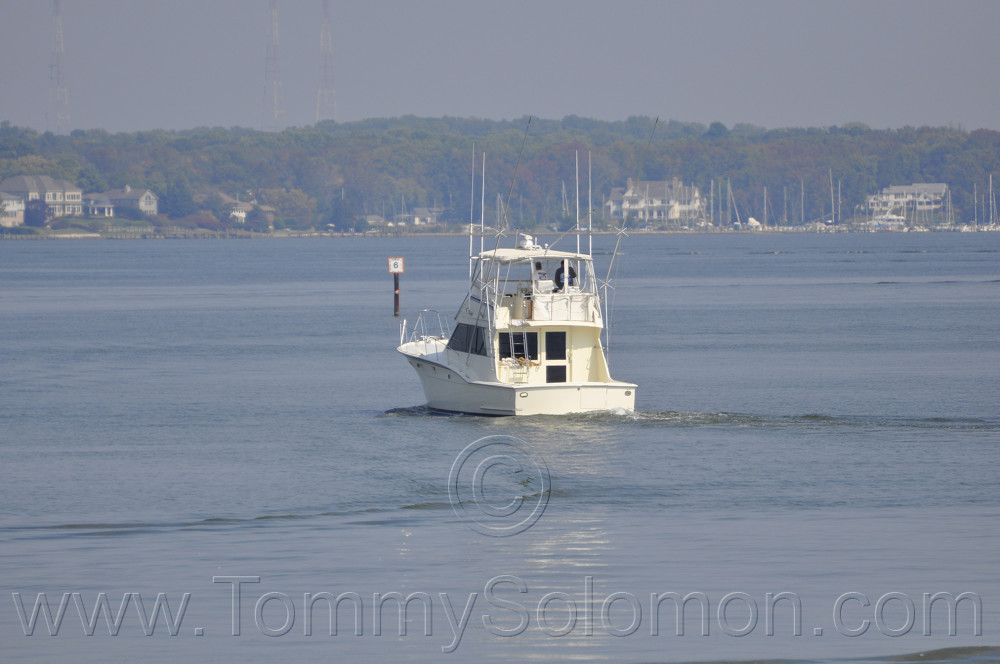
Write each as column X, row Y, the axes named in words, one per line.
column 559, row 277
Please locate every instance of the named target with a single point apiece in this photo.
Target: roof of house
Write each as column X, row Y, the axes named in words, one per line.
column 37, row 183
column 672, row 189
column 661, row 188
column 931, row 188
column 127, row 194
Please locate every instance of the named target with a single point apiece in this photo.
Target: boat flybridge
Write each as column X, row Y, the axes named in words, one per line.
column 525, row 341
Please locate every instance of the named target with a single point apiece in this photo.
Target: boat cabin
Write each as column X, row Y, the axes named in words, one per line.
column 534, row 316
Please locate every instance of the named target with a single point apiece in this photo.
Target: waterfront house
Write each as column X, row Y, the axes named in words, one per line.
column 667, row 203
column 916, row 203
column 420, row 216
column 142, row 199
column 62, row 198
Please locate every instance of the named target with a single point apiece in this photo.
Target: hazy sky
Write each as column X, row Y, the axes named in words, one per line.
column 179, row 64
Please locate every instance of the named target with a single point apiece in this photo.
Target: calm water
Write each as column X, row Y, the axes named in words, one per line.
column 223, row 430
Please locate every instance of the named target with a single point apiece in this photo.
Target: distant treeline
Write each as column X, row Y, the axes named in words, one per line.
column 336, row 173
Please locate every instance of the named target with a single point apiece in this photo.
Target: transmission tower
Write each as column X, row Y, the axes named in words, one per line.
column 274, row 103
column 58, row 95
column 326, row 97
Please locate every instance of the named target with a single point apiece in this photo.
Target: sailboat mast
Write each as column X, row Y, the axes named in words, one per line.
column 833, row 208
column 711, row 202
column 784, row 193
column 975, row 205
column 992, row 203
column 736, row 209
column 729, row 202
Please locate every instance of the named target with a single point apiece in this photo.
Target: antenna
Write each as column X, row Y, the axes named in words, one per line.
column 58, row 94
column 326, row 97
column 274, row 103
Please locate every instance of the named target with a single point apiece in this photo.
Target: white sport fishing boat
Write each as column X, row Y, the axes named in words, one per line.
column 523, row 342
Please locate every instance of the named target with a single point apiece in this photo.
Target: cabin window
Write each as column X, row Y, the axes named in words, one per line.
column 555, row 345
column 555, row 373
column 521, row 345
column 468, row 339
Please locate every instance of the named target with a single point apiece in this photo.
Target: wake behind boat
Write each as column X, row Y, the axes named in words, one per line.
column 523, row 343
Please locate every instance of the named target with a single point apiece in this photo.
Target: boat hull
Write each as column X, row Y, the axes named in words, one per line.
column 446, row 390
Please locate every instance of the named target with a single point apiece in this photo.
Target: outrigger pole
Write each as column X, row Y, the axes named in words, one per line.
column 577, row 224
column 482, row 208
column 472, row 206
column 614, row 254
column 590, row 208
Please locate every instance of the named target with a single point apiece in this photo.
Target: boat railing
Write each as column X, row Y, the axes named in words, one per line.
column 430, row 325
column 570, row 305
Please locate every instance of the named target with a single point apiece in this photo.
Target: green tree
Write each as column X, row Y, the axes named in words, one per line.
column 178, row 201
column 90, row 180
column 342, row 214
column 257, row 222
column 717, row 130
column 296, row 207
column 36, row 213
column 218, row 207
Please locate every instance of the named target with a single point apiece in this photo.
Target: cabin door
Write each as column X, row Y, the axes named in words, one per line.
column 556, row 369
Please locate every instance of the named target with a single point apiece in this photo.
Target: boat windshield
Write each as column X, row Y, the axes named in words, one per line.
column 537, row 274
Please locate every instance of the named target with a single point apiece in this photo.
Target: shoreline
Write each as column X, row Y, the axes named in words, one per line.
column 201, row 234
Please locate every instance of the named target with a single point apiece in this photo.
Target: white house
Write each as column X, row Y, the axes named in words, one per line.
column 11, row 210
column 916, row 202
column 663, row 203
column 239, row 210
